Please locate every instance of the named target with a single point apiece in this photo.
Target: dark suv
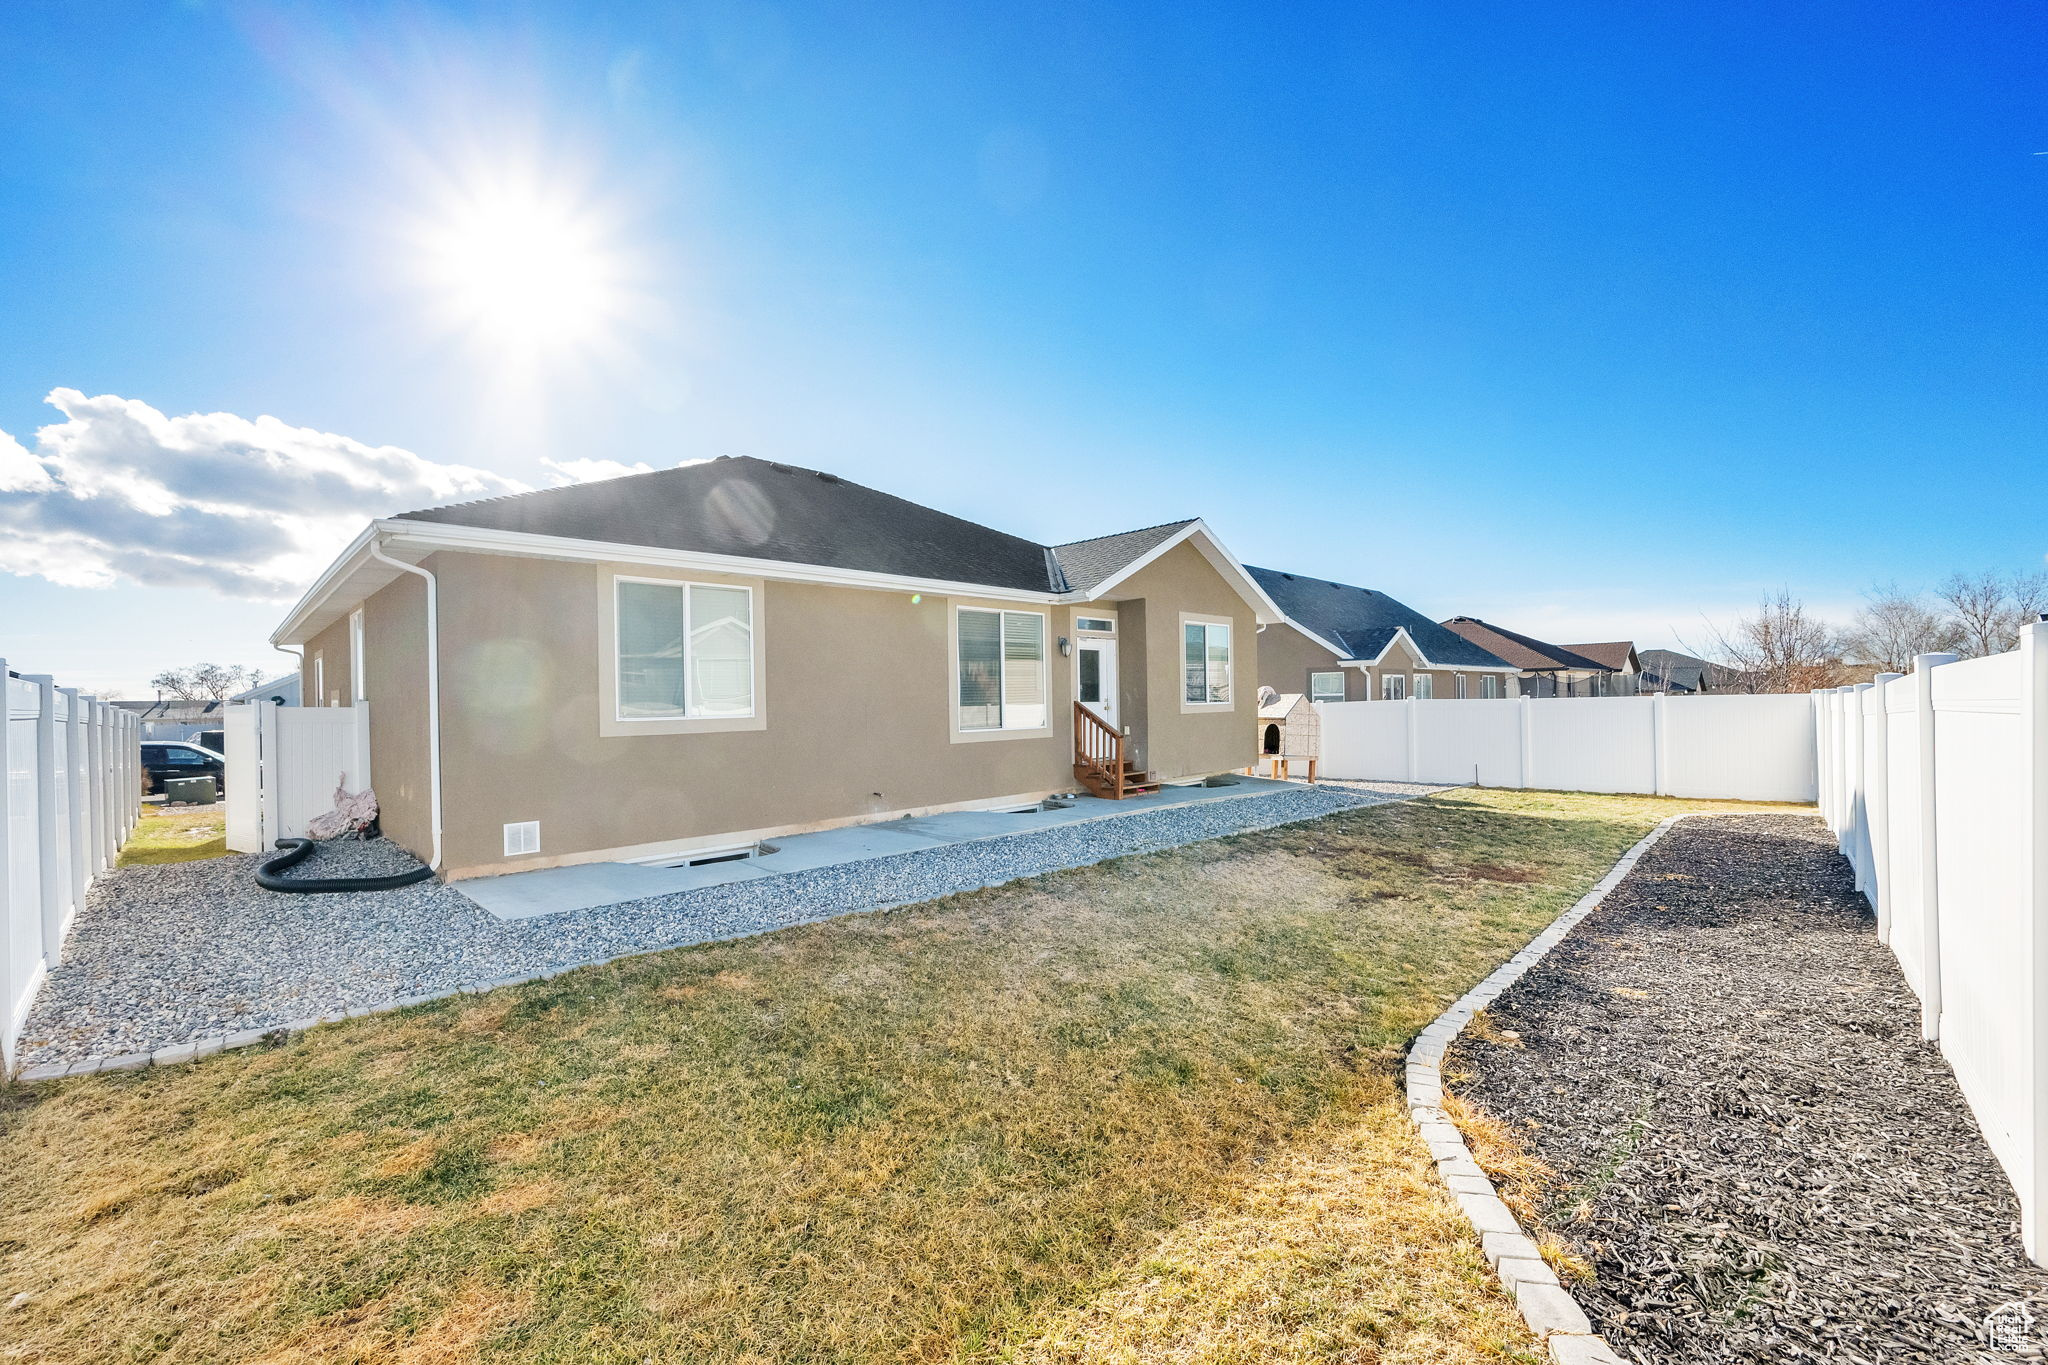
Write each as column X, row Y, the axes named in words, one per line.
column 166, row 759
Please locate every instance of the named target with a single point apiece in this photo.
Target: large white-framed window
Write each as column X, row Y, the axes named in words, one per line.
column 678, row 656
column 1326, row 686
column 682, row 650
column 1393, row 686
column 1489, row 687
column 358, row 684
column 1463, row 686
column 1205, row 663
column 1425, row 686
column 999, row 671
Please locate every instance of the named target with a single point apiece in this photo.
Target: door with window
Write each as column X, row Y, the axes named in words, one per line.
column 1095, row 675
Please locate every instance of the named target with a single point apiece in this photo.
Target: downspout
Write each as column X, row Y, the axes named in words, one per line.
column 433, row 690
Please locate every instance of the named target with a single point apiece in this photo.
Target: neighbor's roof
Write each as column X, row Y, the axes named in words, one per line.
column 1364, row 621
column 1688, row 672
column 175, row 710
column 759, row 509
column 1608, row 654
column 1523, row 651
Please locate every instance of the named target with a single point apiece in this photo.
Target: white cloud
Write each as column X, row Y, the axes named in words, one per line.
column 251, row 508
column 590, row 471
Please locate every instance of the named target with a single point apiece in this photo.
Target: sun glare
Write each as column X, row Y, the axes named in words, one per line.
column 525, row 267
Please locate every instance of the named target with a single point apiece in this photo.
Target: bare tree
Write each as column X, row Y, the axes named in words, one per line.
column 1779, row 649
column 1891, row 627
column 206, row 682
column 1981, row 610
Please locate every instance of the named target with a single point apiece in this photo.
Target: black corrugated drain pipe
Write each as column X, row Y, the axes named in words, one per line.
column 297, row 851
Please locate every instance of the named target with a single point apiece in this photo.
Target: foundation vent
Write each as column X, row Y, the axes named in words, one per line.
column 522, row 838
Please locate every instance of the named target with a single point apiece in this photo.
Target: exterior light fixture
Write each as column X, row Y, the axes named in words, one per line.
column 1066, row 647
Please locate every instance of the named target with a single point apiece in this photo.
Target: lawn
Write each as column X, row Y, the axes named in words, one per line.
column 1145, row 1111
column 176, row 834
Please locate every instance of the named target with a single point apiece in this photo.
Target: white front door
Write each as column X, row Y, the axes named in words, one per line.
column 1095, row 676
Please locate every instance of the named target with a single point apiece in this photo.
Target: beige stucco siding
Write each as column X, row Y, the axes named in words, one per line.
column 1176, row 743
column 856, row 698
column 1287, row 658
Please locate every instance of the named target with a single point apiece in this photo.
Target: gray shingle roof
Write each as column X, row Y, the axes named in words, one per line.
column 1363, row 621
column 763, row 510
column 1086, row 564
column 760, row 509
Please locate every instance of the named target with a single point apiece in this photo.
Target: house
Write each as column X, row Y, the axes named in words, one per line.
column 1667, row 670
column 1344, row 643
column 279, row 691
column 697, row 659
column 1624, row 675
column 1545, row 670
column 169, row 718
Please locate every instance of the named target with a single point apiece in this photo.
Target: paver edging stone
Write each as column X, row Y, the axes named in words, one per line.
column 1546, row 1306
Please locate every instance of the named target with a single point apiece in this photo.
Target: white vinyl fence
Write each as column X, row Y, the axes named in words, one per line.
column 1936, row 786
column 73, row 789
column 1754, row 748
column 283, row 764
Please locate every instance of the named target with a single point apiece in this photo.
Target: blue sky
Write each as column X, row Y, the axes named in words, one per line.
column 1588, row 319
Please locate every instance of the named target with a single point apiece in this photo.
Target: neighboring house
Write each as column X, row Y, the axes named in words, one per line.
column 1618, row 657
column 1666, row 670
column 279, row 691
column 1546, row 670
column 669, row 665
column 1342, row 643
column 169, row 718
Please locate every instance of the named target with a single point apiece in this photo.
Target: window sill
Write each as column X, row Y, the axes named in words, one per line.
column 611, row 727
column 960, row 736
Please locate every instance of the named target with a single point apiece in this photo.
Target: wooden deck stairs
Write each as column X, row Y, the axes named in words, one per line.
column 1099, row 762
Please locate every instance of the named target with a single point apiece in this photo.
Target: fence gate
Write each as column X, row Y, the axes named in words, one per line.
column 283, row 764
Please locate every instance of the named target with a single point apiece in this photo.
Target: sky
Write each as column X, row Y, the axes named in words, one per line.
column 1595, row 320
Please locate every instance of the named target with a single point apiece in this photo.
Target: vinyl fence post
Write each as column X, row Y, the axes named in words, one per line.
column 76, row 852
column 1930, row 870
column 2034, row 887
column 1523, row 745
column 53, row 878
column 8, row 909
column 1879, row 892
column 1859, row 798
column 1414, row 739
column 1659, row 753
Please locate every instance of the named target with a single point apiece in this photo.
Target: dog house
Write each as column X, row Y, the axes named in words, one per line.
column 1290, row 732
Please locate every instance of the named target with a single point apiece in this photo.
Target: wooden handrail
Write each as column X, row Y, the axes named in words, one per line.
column 1099, row 748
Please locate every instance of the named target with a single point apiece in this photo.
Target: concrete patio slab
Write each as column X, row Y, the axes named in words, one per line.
column 591, row 886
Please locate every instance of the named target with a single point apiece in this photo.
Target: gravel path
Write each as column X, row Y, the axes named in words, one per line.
column 1762, row 1160
column 166, row 955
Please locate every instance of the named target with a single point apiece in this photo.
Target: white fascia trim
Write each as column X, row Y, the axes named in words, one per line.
column 1264, row 609
column 431, row 536
column 444, row 537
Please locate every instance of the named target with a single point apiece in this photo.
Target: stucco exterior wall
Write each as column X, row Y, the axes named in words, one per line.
column 854, row 694
column 1176, row 742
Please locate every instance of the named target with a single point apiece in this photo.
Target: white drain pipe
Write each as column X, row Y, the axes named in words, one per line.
column 433, row 689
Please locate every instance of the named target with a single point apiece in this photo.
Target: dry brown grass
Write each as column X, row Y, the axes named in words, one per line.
column 1142, row 1111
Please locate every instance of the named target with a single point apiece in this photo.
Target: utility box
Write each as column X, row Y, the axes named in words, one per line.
column 197, row 791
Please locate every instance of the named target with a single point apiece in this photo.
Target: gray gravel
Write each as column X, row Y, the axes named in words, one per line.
column 168, row 955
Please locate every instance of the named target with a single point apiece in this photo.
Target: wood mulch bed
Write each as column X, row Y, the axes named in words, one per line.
column 1753, row 1149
